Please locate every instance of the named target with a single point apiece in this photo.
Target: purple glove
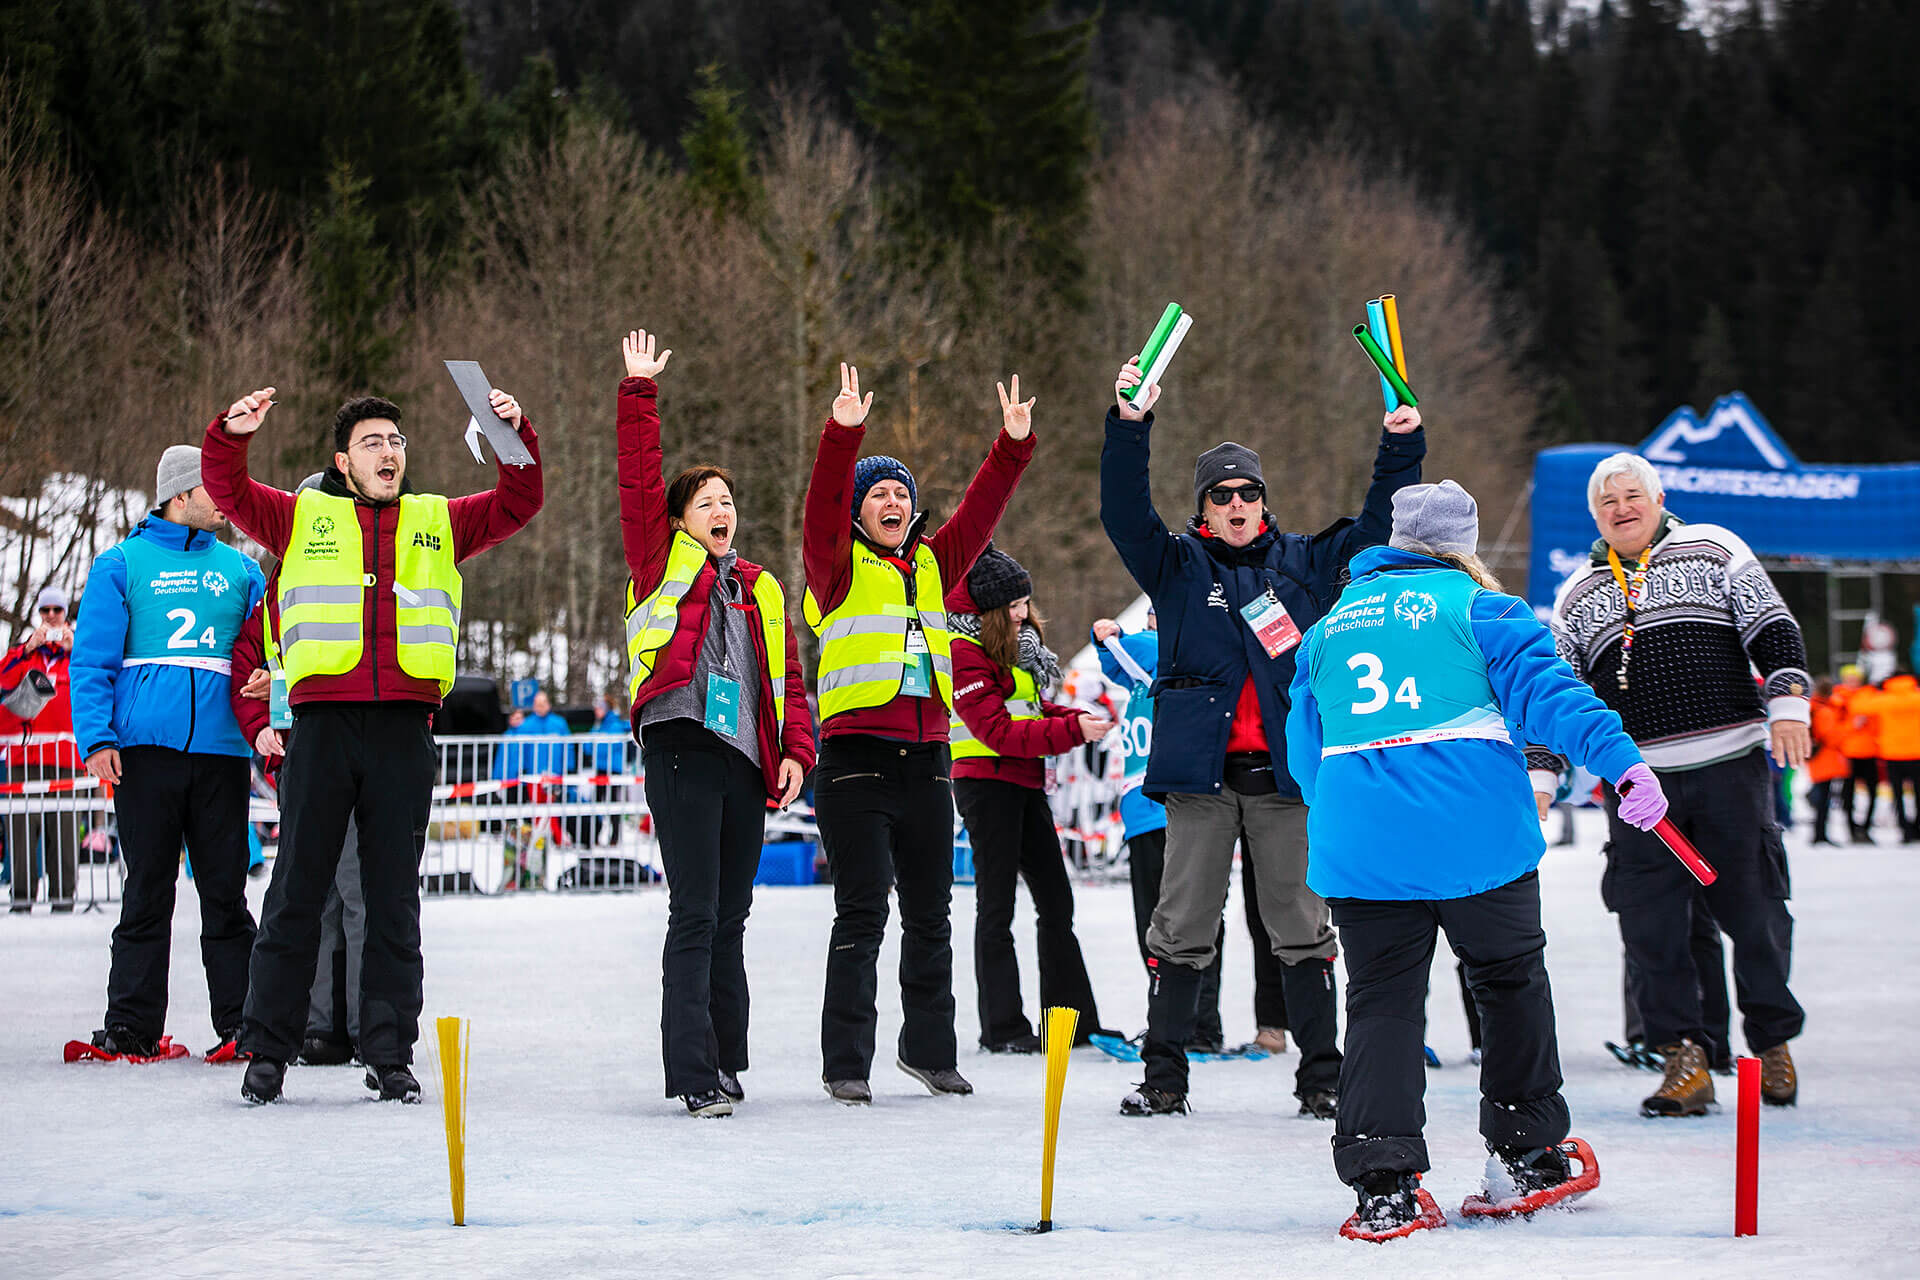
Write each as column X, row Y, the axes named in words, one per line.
column 1642, row 802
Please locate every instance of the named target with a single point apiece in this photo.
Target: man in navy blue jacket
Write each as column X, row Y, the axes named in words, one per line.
column 1232, row 594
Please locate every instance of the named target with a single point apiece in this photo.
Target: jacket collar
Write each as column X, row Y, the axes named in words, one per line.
column 159, row 530
column 335, row 484
column 1219, row 550
column 1386, row 559
column 1668, row 523
column 915, row 527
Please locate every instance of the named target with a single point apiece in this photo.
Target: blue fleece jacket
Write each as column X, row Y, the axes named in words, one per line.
column 185, row 708
column 1138, row 815
column 1447, row 819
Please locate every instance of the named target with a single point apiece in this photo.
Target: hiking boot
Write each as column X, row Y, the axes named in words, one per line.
column 1321, row 1104
column 394, row 1083
column 1779, row 1084
column 326, row 1051
column 1028, row 1043
column 1145, row 1100
column 1391, row 1205
column 708, row 1104
column 850, row 1093
column 1271, row 1039
column 938, row 1079
column 730, row 1085
column 1686, row 1086
column 262, row 1082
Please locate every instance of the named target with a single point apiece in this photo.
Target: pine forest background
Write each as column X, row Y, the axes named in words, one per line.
column 1592, row 215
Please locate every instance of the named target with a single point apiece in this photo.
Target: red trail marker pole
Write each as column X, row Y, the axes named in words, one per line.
column 1746, row 1155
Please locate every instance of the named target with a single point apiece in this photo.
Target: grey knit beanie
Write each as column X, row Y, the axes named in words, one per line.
column 179, row 472
column 1223, row 462
column 1443, row 517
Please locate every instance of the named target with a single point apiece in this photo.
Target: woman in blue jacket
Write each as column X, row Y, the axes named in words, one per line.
column 1403, row 699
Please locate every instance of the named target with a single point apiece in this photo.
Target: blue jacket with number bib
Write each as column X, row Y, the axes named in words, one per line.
column 1410, row 702
column 1199, row 584
column 157, row 624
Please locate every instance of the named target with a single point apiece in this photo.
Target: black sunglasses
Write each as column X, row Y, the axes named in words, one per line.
column 1220, row 495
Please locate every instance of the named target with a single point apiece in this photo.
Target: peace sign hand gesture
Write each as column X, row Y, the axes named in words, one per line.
column 849, row 410
column 637, row 347
column 1016, row 417
column 244, row 415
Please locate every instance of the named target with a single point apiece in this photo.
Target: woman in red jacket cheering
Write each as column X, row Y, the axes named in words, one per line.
column 723, row 726
column 1003, row 729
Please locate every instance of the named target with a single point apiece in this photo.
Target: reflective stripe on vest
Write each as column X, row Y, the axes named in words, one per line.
column 863, row 642
column 323, row 583
column 652, row 622
column 1023, row 705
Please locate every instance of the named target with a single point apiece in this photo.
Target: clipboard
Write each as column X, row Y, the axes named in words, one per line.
column 507, row 445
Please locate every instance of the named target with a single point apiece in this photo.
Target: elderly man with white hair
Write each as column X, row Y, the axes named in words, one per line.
column 1667, row 621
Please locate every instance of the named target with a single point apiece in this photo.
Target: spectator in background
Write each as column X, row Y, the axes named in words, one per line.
column 612, row 757
column 545, row 757
column 36, row 724
column 1898, row 710
column 1860, row 744
column 1829, row 764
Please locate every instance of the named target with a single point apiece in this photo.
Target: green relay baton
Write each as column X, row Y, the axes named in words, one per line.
column 1384, row 362
column 1158, row 353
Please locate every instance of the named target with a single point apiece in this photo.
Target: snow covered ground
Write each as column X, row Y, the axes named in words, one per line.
column 577, row 1166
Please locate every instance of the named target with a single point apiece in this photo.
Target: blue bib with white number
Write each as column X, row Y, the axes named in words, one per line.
column 1395, row 662
column 184, row 608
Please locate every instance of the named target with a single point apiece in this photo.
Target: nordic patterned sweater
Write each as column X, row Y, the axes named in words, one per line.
column 1708, row 617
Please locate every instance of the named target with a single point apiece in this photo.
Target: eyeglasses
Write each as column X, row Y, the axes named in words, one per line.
column 53, row 608
column 1220, row 495
column 373, row 444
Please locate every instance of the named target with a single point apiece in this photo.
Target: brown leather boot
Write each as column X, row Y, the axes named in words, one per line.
column 1779, row 1086
column 1687, row 1088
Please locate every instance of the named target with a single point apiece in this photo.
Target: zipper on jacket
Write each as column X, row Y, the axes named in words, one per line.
column 373, row 607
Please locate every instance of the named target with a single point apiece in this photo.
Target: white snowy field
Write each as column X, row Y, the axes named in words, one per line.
column 578, row 1166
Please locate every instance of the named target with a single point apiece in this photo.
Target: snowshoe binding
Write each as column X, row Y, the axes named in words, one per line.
column 117, row 1044
column 1392, row 1205
column 1520, row 1183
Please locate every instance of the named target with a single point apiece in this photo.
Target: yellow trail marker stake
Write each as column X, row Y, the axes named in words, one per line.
column 455, row 1044
column 1060, row 1025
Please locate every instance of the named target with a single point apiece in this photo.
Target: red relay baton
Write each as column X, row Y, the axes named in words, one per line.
column 1682, row 847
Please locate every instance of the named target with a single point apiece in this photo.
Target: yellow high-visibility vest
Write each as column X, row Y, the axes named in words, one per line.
column 1023, row 705
column 323, row 584
column 863, row 642
column 651, row 622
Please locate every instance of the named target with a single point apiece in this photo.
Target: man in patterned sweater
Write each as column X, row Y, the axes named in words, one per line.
column 1664, row 622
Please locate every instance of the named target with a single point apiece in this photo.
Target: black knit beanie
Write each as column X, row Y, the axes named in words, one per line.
column 997, row 579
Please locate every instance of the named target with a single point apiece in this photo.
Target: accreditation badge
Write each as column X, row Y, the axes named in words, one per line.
column 1271, row 623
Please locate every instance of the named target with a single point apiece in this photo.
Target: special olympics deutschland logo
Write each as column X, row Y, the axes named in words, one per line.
column 1414, row 608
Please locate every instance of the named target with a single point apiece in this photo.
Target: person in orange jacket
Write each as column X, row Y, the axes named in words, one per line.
column 1860, row 743
column 1828, row 764
column 1898, row 710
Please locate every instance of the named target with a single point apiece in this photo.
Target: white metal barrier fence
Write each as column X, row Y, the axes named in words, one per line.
column 510, row 813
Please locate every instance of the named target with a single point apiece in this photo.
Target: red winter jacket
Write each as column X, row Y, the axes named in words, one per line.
column 981, row 688
column 646, row 532
column 827, row 550
column 249, row 655
column 265, row 514
column 45, row 741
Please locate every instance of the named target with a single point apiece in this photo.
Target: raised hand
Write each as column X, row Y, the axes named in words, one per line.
column 637, row 348
column 1132, row 410
column 1093, row 728
column 506, row 408
column 1016, row 418
column 244, row 414
column 849, row 410
column 1402, row 421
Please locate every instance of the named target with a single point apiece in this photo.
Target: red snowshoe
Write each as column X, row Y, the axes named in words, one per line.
column 228, row 1050
column 1519, row 1184
column 105, row 1047
column 1392, row 1205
